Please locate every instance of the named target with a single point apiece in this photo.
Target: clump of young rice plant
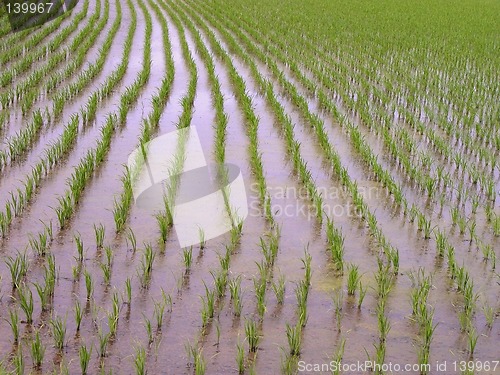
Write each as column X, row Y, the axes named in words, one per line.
column 187, row 257
column 14, row 324
column 208, row 306
column 84, row 353
column 103, row 342
column 236, row 295
column 128, row 290
column 294, row 337
column 352, row 279
column 252, row 335
column 240, row 358
column 472, row 337
column 140, row 360
column 149, row 328
column 89, row 284
column 26, row 302
column 37, row 350
column 58, row 331
column 279, row 289
column 306, row 261
column 99, row 232
column 78, row 315
column 202, row 239
column 44, row 295
column 335, row 241
column 146, row 267
column 79, row 248
column 199, row 363
column 489, row 314
column 159, row 311
column 18, row 268
column 338, row 301
column 131, row 239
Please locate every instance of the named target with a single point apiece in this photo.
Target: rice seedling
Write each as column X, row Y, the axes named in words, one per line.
column 187, row 257
column 294, row 336
column 140, row 360
column 37, row 350
column 149, row 328
column 78, row 315
column 26, row 302
column 106, row 272
column 352, row 279
column 279, row 289
column 89, row 284
column 14, row 324
column 84, row 354
column 58, row 327
column 128, row 290
column 252, row 335
column 159, row 311
column 338, row 301
column 335, row 241
column 202, row 240
column 103, row 342
column 199, row 364
column 489, row 314
column 383, row 322
column 164, row 225
column 472, row 337
column 339, row 354
column 260, row 295
column 44, row 295
column 131, row 239
column 362, row 294
column 240, row 358
column 79, row 247
column 306, row 261
column 18, row 268
column 99, row 232
column 146, row 267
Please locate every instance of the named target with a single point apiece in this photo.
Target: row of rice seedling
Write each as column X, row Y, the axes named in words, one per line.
column 35, row 55
column 382, row 349
column 85, row 170
column 324, row 142
column 21, row 143
column 89, row 163
column 397, row 191
column 259, row 284
column 220, row 279
column 56, row 57
column 80, row 53
column 29, row 90
column 66, row 141
column 16, row 50
column 426, row 225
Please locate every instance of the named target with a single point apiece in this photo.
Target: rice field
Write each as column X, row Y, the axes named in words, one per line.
column 367, row 134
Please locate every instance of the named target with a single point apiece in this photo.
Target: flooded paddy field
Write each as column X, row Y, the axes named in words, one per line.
column 354, row 222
